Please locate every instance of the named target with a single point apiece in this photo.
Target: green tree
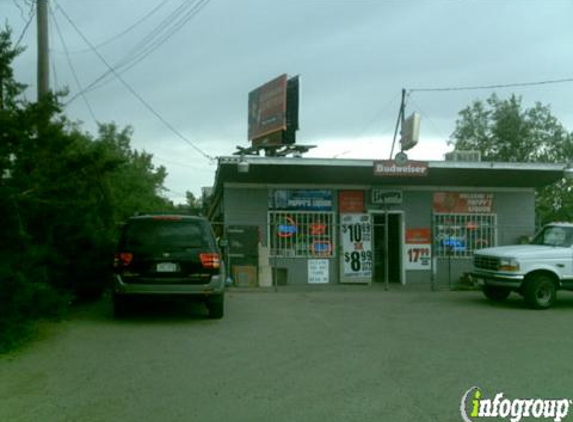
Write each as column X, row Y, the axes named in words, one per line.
column 504, row 130
column 63, row 194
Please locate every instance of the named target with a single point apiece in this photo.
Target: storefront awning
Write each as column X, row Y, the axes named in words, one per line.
column 318, row 171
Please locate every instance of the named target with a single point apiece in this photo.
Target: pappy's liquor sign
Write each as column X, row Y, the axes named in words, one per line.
column 300, row 200
column 394, row 169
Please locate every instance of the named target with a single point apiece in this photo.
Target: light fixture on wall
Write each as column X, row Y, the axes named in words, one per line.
column 243, row 165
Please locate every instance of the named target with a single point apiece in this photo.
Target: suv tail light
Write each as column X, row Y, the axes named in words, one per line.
column 210, row 260
column 122, row 259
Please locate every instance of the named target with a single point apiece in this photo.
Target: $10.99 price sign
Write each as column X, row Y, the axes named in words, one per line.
column 356, row 236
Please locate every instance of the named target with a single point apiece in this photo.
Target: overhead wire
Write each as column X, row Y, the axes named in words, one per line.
column 19, row 6
column 122, row 33
column 192, row 12
column 484, row 87
column 157, row 37
column 135, row 57
column 427, row 117
column 494, row 86
column 179, row 194
column 134, row 93
column 176, row 163
column 73, row 70
column 370, row 122
column 107, row 76
column 30, row 17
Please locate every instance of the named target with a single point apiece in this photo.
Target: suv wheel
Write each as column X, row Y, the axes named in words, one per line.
column 216, row 306
column 496, row 294
column 540, row 292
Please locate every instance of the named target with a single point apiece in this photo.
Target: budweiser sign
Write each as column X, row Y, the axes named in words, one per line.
column 408, row 169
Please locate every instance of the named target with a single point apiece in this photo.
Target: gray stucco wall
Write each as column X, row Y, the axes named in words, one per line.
column 515, row 218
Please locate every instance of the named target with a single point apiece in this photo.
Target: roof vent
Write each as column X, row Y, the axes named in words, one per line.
column 463, row 156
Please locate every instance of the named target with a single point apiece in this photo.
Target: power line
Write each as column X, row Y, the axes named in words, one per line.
column 194, row 10
column 75, row 75
column 122, row 33
column 165, row 160
column 169, row 26
column 108, row 75
column 179, row 194
column 134, row 93
column 496, row 86
column 135, row 56
column 370, row 122
column 427, row 117
column 19, row 6
column 30, row 17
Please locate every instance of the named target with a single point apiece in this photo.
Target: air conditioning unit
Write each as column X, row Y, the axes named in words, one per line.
column 463, row 156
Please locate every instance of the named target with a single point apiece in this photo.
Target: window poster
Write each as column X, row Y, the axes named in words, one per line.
column 418, row 249
column 317, row 271
column 356, row 240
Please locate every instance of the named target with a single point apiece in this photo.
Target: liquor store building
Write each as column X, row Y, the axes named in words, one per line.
column 294, row 220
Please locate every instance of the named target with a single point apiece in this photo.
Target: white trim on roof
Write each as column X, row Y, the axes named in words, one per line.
column 338, row 162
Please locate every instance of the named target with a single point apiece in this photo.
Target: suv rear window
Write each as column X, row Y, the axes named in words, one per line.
column 153, row 233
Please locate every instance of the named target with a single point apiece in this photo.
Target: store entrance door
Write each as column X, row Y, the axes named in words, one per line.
column 394, row 247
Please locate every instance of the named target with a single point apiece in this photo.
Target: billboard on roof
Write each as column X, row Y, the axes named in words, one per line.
column 273, row 112
column 268, row 108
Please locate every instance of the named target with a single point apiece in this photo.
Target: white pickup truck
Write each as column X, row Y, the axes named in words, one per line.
column 536, row 270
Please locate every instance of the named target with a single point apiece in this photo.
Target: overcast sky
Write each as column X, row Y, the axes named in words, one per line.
column 353, row 58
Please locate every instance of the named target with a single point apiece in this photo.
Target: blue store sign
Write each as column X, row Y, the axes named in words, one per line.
column 300, row 200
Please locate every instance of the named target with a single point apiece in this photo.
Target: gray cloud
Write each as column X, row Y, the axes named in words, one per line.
column 354, row 57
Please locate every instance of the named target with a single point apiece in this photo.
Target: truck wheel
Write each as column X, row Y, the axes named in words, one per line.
column 540, row 292
column 216, row 306
column 497, row 294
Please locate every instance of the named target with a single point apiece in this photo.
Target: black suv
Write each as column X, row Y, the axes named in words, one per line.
column 169, row 255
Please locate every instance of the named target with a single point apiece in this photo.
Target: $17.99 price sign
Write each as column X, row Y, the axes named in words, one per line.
column 356, row 237
column 418, row 250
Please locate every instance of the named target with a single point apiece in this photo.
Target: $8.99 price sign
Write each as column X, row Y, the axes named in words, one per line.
column 356, row 235
column 360, row 262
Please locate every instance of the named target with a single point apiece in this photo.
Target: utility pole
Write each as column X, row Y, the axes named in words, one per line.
column 399, row 121
column 43, row 56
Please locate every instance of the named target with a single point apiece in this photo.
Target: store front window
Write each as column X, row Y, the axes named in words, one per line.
column 300, row 234
column 459, row 235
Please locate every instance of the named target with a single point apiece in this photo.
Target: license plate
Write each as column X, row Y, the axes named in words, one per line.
column 479, row 282
column 166, row 267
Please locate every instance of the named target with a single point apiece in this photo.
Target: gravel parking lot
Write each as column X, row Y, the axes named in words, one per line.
column 323, row 354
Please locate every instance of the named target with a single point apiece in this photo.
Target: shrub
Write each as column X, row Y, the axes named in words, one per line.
column 22, row 302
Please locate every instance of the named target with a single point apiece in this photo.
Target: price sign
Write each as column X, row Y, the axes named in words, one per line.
column 418, row 250
column 356, row 239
